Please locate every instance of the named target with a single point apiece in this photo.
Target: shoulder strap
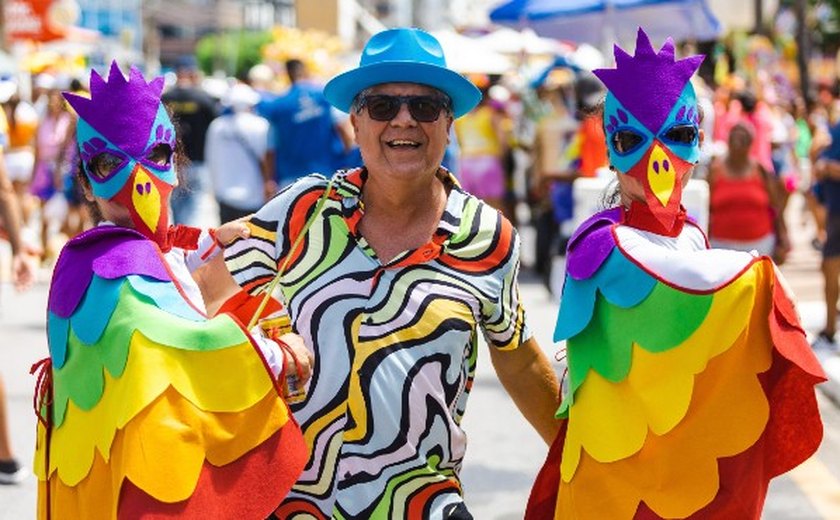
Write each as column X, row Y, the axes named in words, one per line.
column 245, row 144
column 319, row 207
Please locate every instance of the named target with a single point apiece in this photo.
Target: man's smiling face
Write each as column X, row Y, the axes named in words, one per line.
column 403, row 145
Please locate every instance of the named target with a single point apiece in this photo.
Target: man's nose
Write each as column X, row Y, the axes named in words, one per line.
column 404, row 117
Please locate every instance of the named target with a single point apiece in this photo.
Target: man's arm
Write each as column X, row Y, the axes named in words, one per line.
column 530, row 381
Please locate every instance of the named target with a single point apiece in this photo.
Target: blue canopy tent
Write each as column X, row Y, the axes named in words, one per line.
column 604, row 22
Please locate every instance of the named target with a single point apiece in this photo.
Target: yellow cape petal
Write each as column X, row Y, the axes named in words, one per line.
column 162, row 451
column 226, row 380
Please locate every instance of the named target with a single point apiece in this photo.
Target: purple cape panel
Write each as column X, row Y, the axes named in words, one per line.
column 591, row 244
column 109, row 251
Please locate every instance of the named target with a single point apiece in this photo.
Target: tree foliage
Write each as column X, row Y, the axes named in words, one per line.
column 232, row 52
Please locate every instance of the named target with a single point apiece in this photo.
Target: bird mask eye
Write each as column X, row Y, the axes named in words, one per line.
column 160, row 155
column 681, row 134
column 104, row 165
column 625, row 141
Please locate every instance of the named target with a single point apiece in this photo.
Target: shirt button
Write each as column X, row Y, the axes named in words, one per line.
column 369, row 320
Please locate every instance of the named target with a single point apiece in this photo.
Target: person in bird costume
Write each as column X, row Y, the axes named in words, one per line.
column 690, row 381
column 148, row 408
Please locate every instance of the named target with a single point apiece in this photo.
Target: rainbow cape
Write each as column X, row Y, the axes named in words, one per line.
column 690, row 381
column 156, row 410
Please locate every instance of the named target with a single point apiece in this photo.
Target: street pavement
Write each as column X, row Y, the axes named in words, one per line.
column 504, row 453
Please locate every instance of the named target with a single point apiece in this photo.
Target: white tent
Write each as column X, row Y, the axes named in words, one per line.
column 510, row 41
column 468, row 55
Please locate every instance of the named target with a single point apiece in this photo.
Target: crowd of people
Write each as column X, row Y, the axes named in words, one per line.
column 378, row 212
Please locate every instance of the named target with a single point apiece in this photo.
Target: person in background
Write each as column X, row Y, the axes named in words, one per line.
column 483, row 139
column 235, row 155
column 745, row 105
column 824, row 114
column 803, row 141
column 78, row 218
column 745, row 202
column 556, row 154
column 20, row 152
column 51, row 146
column 193, row 110
column 23, row 275
column 190, row 406
column 782, row 145
column 305, row 134
column 393, row 274
column 261, row 79
column 826, row 171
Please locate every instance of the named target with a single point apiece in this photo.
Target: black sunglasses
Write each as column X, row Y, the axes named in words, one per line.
column 383, row 107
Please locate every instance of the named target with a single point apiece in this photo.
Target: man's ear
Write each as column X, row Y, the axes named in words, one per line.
column 354, row 123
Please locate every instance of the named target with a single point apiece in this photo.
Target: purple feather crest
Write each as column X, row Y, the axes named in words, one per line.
column 123, row 110
column 649, row 83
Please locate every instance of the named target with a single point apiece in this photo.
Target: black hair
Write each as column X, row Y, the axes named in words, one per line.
column 295, row 68
column 747, row 99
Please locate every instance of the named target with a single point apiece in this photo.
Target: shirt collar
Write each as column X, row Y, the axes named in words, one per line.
column 348, row 190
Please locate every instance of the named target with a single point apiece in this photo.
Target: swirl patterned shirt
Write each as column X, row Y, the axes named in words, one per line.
column 395, row 344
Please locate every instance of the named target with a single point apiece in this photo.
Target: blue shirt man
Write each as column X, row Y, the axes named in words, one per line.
column 304, row 136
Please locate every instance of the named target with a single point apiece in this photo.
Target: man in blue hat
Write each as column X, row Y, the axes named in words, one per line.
column 390, row 272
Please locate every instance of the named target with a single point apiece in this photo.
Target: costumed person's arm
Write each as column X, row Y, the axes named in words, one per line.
column 282, row 354
column 213, row 241
column 207, row 267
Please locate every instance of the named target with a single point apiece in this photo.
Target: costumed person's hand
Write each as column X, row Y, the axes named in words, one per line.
column 23, row 271
column 230, row 231
column 302, row 361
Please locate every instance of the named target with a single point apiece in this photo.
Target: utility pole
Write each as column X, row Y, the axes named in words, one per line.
column 759, row 16
column 803, row 47
column 3, row 25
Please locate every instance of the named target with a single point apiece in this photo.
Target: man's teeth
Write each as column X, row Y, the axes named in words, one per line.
column 401, row 142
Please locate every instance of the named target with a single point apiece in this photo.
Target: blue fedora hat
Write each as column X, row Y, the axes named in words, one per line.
column 403, row 56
